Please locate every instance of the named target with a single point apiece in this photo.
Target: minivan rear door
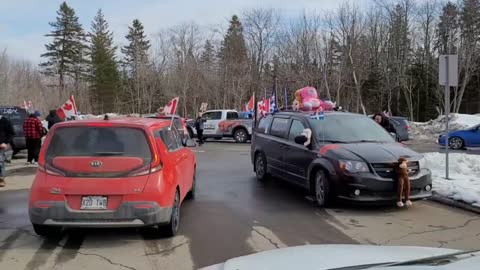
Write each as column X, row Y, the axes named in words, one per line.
column 98, row 160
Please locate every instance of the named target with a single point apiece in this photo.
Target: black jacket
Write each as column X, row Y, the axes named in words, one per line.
column 6, row 131
column 52, row 119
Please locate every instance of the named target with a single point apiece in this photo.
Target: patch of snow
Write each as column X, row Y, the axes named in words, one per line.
column 429, row 131
column 464, row 184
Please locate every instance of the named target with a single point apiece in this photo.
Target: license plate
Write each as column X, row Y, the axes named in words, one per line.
column 94, row 202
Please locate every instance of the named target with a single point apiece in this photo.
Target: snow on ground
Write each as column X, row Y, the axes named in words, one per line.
column 429, row 131
column 464, row 174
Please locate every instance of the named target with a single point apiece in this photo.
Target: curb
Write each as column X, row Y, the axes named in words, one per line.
column 458, row 204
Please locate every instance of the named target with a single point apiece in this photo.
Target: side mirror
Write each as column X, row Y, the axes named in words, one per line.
column 189, row 143
column 301, row 139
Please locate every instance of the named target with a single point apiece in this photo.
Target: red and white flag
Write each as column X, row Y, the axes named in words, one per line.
column 171, row 107
column 250, row 105
column 68, row 109
column 264, row 106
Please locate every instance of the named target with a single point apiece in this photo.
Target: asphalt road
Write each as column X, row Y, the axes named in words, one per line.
column 232, row 215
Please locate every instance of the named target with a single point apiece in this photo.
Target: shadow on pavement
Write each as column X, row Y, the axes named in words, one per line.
column 22, row 171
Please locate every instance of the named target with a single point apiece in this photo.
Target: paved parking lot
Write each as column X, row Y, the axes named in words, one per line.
column 233, row 215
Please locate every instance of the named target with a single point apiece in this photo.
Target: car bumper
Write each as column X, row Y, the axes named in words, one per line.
column 129, row 214
column 376, row 189
column 19, row 143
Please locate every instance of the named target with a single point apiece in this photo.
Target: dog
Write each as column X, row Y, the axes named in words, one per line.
column 403, row 182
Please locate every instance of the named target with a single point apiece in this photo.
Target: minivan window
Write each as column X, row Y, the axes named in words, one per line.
column 99, row 141
column 232, row 115
column 213, row 115
column 279, row 127
column 264, row 124
column 296, row 129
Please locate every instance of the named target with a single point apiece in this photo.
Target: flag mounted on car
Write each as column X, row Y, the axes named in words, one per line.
column 171, row 107
column 273, row 101
column 68, row 109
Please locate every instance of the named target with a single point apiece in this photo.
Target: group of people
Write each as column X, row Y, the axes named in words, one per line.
column 33, row 131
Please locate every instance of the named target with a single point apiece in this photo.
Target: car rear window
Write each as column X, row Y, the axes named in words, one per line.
column 99, row 141
column 15, row 115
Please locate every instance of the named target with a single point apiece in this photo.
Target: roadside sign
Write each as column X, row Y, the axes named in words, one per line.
column 448, row 70
column 447, row 76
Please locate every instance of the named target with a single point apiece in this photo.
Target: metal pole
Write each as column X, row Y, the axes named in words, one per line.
column 447, row 114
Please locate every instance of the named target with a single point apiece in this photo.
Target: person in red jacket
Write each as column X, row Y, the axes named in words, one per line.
column 33, row 131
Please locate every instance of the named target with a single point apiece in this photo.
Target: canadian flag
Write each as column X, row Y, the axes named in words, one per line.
column 171, row 107
column 250, row 105
column 264, row 106
column 68, row 109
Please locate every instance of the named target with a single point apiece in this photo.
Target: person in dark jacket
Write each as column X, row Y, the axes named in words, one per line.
column 33, row 131
column 199, row 125
column 52, row 119
column 383, row 121
column 6, row 137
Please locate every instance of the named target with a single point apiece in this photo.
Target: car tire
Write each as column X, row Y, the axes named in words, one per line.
column 456, row 143
column 47, row 231
column 171, row 228
column 240, row 135
column 261, row 167
column 191, row 193
column 321, row 189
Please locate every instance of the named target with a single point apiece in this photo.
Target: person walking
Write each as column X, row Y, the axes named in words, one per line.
column 199, row 125
column 33, row 131
column 6, row 137
column 52, row 119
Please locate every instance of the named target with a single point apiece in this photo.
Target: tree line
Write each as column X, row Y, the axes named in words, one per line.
column 381, row 57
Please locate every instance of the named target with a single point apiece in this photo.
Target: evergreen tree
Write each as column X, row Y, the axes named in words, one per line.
column 233, row 49
column 136, row 52
column 104, row 70
column 207, row 58
column 66, row 54
column 447, row 29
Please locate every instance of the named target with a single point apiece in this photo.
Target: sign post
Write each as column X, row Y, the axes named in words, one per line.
column 447, row 76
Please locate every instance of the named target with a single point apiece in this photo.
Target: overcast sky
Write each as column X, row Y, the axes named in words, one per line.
column 23, row 23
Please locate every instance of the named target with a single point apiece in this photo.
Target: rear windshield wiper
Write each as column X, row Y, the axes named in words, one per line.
column 108, row 153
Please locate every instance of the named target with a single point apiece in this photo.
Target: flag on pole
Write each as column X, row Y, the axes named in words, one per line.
column 250, row 105
column 286, row 98
column 171, row 107
column 264, row 106
column 68, row 109
column 273, row 101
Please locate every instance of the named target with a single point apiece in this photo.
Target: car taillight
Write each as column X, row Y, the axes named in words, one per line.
column 146, row 170
column 50, row 170
column 406, row 127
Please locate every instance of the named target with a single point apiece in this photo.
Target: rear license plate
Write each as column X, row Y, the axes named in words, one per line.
column 94, row 203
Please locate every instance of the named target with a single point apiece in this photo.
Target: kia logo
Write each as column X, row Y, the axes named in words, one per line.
column 96, row 163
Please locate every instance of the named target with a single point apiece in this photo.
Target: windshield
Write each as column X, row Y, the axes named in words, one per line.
column 348, row 129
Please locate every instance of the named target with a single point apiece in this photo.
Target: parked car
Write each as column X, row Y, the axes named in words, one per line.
column 130, row 172
column 402, row 127
column 224, row 124
column 17, row 116
column 350, row 157
column 461, row 139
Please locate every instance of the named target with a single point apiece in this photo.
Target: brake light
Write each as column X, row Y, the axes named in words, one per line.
column 100, row 124
column 146, row 170
column 406, row 127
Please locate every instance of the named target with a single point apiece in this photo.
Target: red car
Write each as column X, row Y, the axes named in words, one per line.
column 131, row 172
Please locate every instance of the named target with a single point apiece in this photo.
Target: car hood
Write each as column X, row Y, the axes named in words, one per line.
column 375, row 152
column 323, row 257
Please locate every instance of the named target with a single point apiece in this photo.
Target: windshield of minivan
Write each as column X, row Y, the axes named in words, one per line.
column 348, row 129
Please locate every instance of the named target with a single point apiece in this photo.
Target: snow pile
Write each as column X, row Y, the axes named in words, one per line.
column 432, row 129
column 464, row 173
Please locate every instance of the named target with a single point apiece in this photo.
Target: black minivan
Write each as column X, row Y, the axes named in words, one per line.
column 17, row 116
column 349, row 157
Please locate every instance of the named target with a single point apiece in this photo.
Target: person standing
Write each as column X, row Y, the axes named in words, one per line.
column 199, row 125
column 52, row 119
column 383, row 121
column 33, row 131
column 6, row 137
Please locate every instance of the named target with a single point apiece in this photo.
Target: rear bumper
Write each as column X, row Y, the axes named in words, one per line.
column 376, row 189
column 127, row 215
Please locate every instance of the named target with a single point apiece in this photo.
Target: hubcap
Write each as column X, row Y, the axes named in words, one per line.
column 259, row 168
column 240, row 136
column 455, row 143
column 320, row 189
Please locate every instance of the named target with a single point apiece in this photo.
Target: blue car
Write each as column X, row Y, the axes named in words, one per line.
column 461, row 139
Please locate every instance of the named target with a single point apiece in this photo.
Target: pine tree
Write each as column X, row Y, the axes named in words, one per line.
column 104, row 73
column 207, row 58
column 447, row 29
column 66, row 54
column 136, row 52
column 233, row 47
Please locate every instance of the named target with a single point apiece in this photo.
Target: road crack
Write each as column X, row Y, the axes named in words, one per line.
column 106, row 259
column 277, row 245
column 430, row 231
column 168, row 250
